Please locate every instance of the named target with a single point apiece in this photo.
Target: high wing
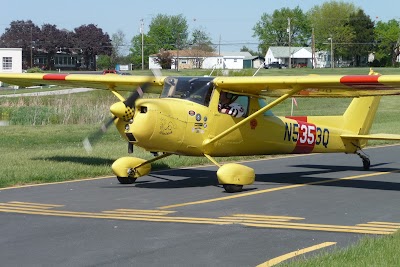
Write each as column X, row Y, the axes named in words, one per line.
column 112, row 82
column 274, row 86
column 313, row 85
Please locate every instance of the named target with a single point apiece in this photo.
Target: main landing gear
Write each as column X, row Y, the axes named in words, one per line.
column 365, row 160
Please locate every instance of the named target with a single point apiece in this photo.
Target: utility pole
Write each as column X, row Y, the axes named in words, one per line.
column 314, row 63
column 332, row 58
column 290, row 53
column 141, row 31
column 31, row 49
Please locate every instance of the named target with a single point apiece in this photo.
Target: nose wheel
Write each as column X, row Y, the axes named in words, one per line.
column 233, row 188
column 126, row 180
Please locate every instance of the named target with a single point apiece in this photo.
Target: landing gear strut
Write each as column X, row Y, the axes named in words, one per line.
column 365, row 160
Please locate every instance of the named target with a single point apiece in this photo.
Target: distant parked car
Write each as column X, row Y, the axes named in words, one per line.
column 115, row 72
column 274, row 65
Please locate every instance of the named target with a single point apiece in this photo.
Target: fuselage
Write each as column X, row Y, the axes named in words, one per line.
column 186, row 117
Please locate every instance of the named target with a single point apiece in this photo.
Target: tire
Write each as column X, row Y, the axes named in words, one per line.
column 232, row 188
column 126, row 180
column 366, row 164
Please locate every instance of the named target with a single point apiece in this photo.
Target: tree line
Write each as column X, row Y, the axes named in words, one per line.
column 346, row 28
column 85, row 40
column 351, row 32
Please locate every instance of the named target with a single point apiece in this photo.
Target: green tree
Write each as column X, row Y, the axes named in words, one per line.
column 201, row 41
column 168, row 32
column 387, row 37
column 92, row 41
column 165, row 32
column 331, row 20
column 273, row 30
column 118, row 43
column 363, row 29
column 246, row 49
column 135, row 55
column 23, row 34
column 51, row 40
column 104, row 62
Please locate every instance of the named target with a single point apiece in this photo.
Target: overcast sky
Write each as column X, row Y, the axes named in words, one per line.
column 228, row 22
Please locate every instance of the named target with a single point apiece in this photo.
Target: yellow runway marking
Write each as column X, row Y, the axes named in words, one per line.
column 273, row 190
column 251, row 220
column 287, row 256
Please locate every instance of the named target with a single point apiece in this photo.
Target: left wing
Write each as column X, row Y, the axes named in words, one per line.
column 313, row 85
column 112, row 82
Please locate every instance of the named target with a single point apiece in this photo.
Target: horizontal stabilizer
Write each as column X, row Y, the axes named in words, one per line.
column 393, row 137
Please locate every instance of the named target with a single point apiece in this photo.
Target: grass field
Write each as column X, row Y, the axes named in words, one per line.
column 44, row 144
column 44, row 140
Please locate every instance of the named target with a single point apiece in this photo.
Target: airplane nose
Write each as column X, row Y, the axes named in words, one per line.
column 120, row 110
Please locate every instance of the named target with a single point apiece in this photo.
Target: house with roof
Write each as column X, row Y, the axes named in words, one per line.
column 191, row 59
column 183, row 59
column 226, row 60
column 300, row 56
column 253, row 62
column 10, row 60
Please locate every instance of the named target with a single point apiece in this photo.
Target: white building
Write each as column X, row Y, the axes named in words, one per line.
column 300, row 56
column 190, row 59
column 10, row 60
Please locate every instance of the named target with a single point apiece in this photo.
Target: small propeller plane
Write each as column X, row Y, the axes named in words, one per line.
column 186, row 120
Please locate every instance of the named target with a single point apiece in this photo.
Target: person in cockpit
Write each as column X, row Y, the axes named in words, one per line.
column 228, row 106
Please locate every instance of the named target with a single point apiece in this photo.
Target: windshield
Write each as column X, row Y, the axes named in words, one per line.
column 195, row 89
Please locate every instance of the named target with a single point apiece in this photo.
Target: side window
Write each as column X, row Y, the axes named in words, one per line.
column 233, row 104
column 262, row 104
column 244, row 102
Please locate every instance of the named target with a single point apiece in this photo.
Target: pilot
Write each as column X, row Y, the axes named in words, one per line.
column 228, row 106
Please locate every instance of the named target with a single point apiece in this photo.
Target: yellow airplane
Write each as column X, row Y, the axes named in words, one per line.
column 188, row 118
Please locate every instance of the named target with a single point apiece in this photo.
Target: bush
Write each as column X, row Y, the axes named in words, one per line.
column 34, row 70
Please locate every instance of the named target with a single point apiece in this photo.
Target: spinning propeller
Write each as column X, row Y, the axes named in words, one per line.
column 123, row 110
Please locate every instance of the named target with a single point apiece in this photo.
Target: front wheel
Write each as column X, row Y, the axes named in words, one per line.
column 232, row 188
column 126, row 180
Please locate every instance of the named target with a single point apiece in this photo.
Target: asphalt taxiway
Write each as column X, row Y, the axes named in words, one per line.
column 298, row 204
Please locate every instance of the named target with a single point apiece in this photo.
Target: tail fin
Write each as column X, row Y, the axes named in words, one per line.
column 360, row 114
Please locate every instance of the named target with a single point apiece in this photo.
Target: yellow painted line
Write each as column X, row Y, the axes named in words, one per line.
column 54, row 183
column 290, row 255
column 22, row 206
column 239, row 218
column 385, row 223
column 37, row 204
column 395, row 227
column 146, row 211
column 323, row 228
column 246, row 220
column 267, row 216
column 128, row 218
column 273, row 190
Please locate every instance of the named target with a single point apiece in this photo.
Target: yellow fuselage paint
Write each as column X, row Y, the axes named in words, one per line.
column 181, row 127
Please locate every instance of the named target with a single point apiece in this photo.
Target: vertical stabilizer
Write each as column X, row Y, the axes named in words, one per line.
column 360, row 114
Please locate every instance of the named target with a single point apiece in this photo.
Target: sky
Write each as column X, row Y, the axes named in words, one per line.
column 229, row 23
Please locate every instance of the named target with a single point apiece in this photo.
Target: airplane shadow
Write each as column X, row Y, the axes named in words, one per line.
column 92, row 161
column 183, row 178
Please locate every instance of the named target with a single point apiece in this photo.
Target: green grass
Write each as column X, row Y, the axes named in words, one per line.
column 368, row 252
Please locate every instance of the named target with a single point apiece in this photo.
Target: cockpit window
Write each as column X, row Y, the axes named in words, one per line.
column 195, row 89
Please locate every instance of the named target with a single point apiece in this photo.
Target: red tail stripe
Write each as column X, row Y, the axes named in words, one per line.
column 58, row 77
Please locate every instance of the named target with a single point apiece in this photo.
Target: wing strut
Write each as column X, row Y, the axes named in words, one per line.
column 208, row 142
